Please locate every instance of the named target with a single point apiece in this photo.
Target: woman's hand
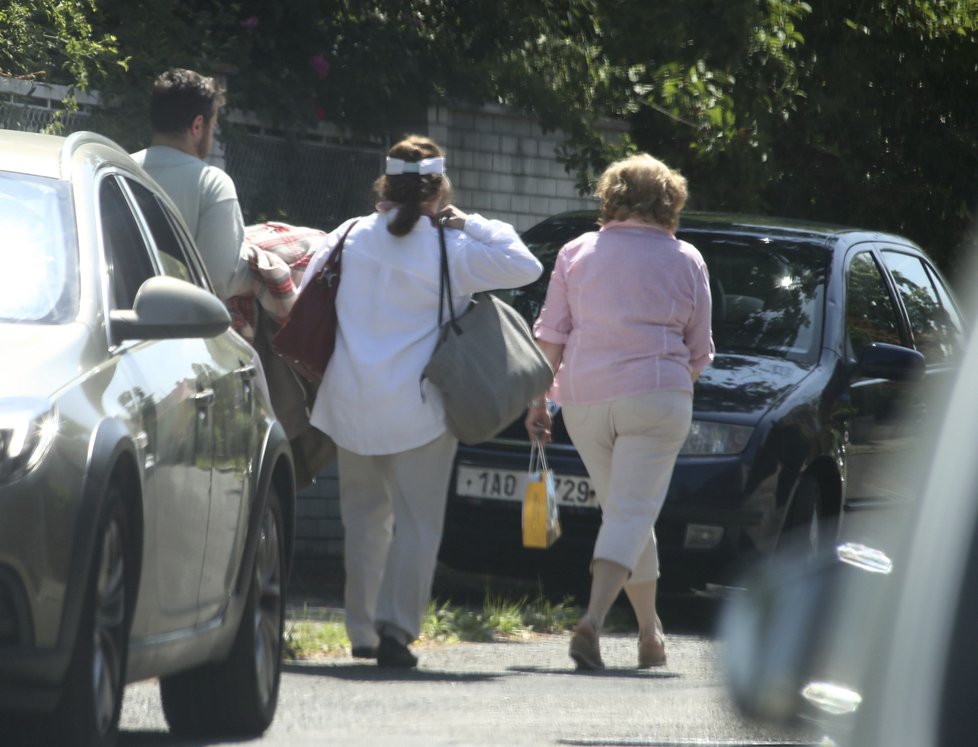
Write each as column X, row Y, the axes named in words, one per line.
column 452, row 217
column 538, row 423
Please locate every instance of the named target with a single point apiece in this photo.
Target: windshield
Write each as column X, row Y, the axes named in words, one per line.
column 38, row 251
column 768, row 293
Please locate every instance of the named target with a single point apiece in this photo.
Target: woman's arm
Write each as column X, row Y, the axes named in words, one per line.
column 488, row 255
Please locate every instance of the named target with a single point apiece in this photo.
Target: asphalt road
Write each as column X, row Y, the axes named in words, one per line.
column 501, row 693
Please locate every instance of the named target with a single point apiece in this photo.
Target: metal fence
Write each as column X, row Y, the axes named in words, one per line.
column 22, row 115
column 308, row 184
column 288, row 178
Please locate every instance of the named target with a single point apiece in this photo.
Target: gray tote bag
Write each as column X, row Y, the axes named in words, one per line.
column 486, row 364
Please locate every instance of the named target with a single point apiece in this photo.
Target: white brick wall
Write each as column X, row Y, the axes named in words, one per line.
column 318, row 531
column 503, row 165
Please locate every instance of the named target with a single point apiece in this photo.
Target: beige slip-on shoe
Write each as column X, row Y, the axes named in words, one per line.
column 651, row 651
column 584, row 648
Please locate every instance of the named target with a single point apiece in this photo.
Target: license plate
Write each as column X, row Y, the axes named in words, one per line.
column 507, row 485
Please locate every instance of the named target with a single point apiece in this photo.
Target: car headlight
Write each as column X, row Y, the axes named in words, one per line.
column 711, row 439
column 27, row 431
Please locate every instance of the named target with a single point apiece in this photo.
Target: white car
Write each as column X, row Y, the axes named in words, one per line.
column 147, row 494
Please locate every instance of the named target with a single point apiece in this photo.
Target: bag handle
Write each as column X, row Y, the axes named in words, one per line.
column 331, row 269
column 538, row 456
column 444, row 280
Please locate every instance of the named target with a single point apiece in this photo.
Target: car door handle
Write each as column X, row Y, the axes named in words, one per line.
column 247, row 373
column 204, row 398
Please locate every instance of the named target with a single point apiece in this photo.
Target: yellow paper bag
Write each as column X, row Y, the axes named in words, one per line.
column 541, row 518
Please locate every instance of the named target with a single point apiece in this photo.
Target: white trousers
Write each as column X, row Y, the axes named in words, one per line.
column 393, row 512
column 629, row 447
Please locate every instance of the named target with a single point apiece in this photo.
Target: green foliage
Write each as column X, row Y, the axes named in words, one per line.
column 499, row 617
column 444, row 622
column 884, row 137
column 853, row 111
column 53, row 41
column 308, row 639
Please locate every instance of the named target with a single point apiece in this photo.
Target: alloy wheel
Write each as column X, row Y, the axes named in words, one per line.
column 268, row 609
column 108, row 632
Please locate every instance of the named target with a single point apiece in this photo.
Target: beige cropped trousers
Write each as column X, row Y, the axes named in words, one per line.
column 629, row 447
column 393, row 512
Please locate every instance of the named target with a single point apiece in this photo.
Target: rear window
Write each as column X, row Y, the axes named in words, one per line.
column 768, row 294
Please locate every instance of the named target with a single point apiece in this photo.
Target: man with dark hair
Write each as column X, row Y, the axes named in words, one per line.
column 183, row 114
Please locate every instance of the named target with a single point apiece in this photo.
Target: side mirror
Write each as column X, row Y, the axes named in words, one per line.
column 880, row 360
column 795, row 637
column 167, row 308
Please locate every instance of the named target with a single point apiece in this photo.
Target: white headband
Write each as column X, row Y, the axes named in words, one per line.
column 396, row 166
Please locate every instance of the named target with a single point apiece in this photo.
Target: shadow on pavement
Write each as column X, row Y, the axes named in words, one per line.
column 615, row 672
column 371, row 673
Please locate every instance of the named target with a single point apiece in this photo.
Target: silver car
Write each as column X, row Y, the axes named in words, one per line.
column 146, row 490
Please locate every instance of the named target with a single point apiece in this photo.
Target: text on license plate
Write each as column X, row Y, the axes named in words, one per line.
column 507, row 485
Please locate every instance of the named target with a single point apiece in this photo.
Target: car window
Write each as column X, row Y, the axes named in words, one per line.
column 767, row 294
column 126, row 254
column 171, row 251
column 545, row 240
column 871, row 315
column 39, row 251
column 934, row 321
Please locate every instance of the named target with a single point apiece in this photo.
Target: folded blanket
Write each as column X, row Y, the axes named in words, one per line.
column 277, row 255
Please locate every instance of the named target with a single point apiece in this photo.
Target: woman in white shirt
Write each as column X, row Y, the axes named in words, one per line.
column 395, row 452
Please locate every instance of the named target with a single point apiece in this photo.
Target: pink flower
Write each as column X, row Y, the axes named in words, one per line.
column 250, row 23
column 320, row 65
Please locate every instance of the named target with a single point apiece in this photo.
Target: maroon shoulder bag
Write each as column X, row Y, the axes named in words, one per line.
column 307, row 337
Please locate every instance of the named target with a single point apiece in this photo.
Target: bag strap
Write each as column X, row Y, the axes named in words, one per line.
column 331, row 269
column 444, row 280
column 538, row 456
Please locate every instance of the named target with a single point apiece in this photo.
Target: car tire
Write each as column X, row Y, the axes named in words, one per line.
column 91, row 702
column 238, row 696
column 806, row 528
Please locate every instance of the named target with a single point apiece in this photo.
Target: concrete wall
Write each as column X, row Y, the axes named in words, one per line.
column 503, row 165
column 319, row 533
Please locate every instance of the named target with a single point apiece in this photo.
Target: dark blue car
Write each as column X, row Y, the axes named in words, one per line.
column 828, row 340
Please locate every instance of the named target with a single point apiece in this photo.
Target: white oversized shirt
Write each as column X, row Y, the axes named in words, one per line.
column 207, row 200
column 372, row 399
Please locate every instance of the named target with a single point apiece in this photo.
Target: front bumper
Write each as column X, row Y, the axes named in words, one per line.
column 30, row 677
column 705, row 530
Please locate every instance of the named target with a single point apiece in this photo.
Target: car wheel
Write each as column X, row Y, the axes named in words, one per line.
column 806, row 528
column 91, row 702
column 238, row 697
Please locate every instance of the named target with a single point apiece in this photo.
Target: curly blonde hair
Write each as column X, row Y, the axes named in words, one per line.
column 642, row 187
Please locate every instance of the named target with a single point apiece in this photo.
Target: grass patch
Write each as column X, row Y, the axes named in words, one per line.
column 445, row 622
column 312, row 639
column 498, row 618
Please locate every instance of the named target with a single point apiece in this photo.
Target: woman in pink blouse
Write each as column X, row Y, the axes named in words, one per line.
column 626, row 325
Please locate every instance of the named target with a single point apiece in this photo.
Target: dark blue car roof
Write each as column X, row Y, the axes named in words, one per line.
column 565, row 226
